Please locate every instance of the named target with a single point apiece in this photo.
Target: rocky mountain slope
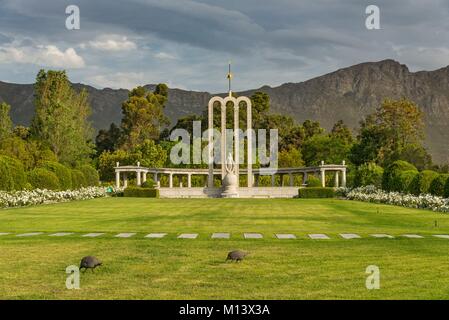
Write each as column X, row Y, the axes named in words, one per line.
column 348, row 94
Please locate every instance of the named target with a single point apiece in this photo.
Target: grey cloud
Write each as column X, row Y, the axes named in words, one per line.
column 270, row 42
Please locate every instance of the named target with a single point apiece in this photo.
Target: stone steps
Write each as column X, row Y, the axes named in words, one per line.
column 226, row 235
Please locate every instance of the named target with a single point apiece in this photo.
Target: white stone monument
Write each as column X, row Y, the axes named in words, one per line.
column 236, row 157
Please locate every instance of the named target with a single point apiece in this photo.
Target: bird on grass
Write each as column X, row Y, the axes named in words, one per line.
column 90, row 262
column 236, row 255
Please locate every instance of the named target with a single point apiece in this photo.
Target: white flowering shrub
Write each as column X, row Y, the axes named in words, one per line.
column 39, row 196
column 372, row 194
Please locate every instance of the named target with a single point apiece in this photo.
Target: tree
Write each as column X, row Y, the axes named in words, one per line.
column 325, row 148
column 107, row 140
column 151, row 154
column 61, row 116
column 291, row 158
column 5, row 121
column 312, row 128
column 143, row 116
column 342, row 132
column 387, row 134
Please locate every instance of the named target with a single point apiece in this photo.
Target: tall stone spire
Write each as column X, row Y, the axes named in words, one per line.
column 229, row 76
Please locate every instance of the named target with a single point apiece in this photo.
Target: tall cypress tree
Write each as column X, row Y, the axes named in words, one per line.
column 61, row 116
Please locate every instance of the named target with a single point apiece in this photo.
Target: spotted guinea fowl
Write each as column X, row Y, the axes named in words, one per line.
column 89, row 262
column 236, row 255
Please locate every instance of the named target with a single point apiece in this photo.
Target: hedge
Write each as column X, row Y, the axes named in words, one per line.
column 313, row 182
column 406, row 179
column 446, row 189
column 316, row 192
column 78, row 179
column 390, row 176
column 148, row 184
column 141, row 192
column 41, row 178
column 12, row 174
column 368, row 174
column 62, row 172
column 437, row 185
column 421, row 183
column 91, row 175
column 6, row 180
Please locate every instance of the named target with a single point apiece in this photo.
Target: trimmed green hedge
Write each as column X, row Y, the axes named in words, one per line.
column 437, row 185
column 141, row 192
column 390, row 180
column 41, row 178
column 446, row 189
column 313, row 182
column 406, row 180
column 316, row 192
column 90, row 174
column 368, row 174
column 12, row 174
column 421, row 183
column 62, row 172
column 78, row 179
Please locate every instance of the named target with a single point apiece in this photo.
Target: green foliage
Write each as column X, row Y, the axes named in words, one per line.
column 41, row 178
column 30, row 153
column 421, row 183
column 328, row 148
column 446, row 189
column 62, row 172
column 90, row 175
column 391, row 173
column 290, row 158
column 143, row 116
column 12, row 174
column 78, row 179
column 316, row 192
column 149, row 183
column 107, row 161
column 5, row 121
column 108, row 140
column 437, row 185
column 368, row 174
column 151, row 154
column 61, row 115
column 416, row 155
column 406, row 180
column 141, row 192
column 6, row 179
column 391, row 133
column 313, row 181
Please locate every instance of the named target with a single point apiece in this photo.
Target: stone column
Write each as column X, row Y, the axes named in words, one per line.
column 223, row 140
column 189, row 180
column 256, row 180
column 305, row 176
column 336, row 183
column 210, row 112
column 117, row 179
column 144, row 177
column 273, row 180
column 290, row 179
column 125, row 180
column 343, row 178
column 155, row 178
column 139, row 183
column 249, row 139
column 170, row 180
column 323, row 177
column 282, row 180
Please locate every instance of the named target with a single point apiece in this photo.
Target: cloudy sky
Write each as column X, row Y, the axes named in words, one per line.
column 188, row 43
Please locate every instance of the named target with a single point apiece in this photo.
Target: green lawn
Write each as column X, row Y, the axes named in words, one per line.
column 173, row 268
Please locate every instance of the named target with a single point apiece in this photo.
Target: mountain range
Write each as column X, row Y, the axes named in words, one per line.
column 348, row 94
